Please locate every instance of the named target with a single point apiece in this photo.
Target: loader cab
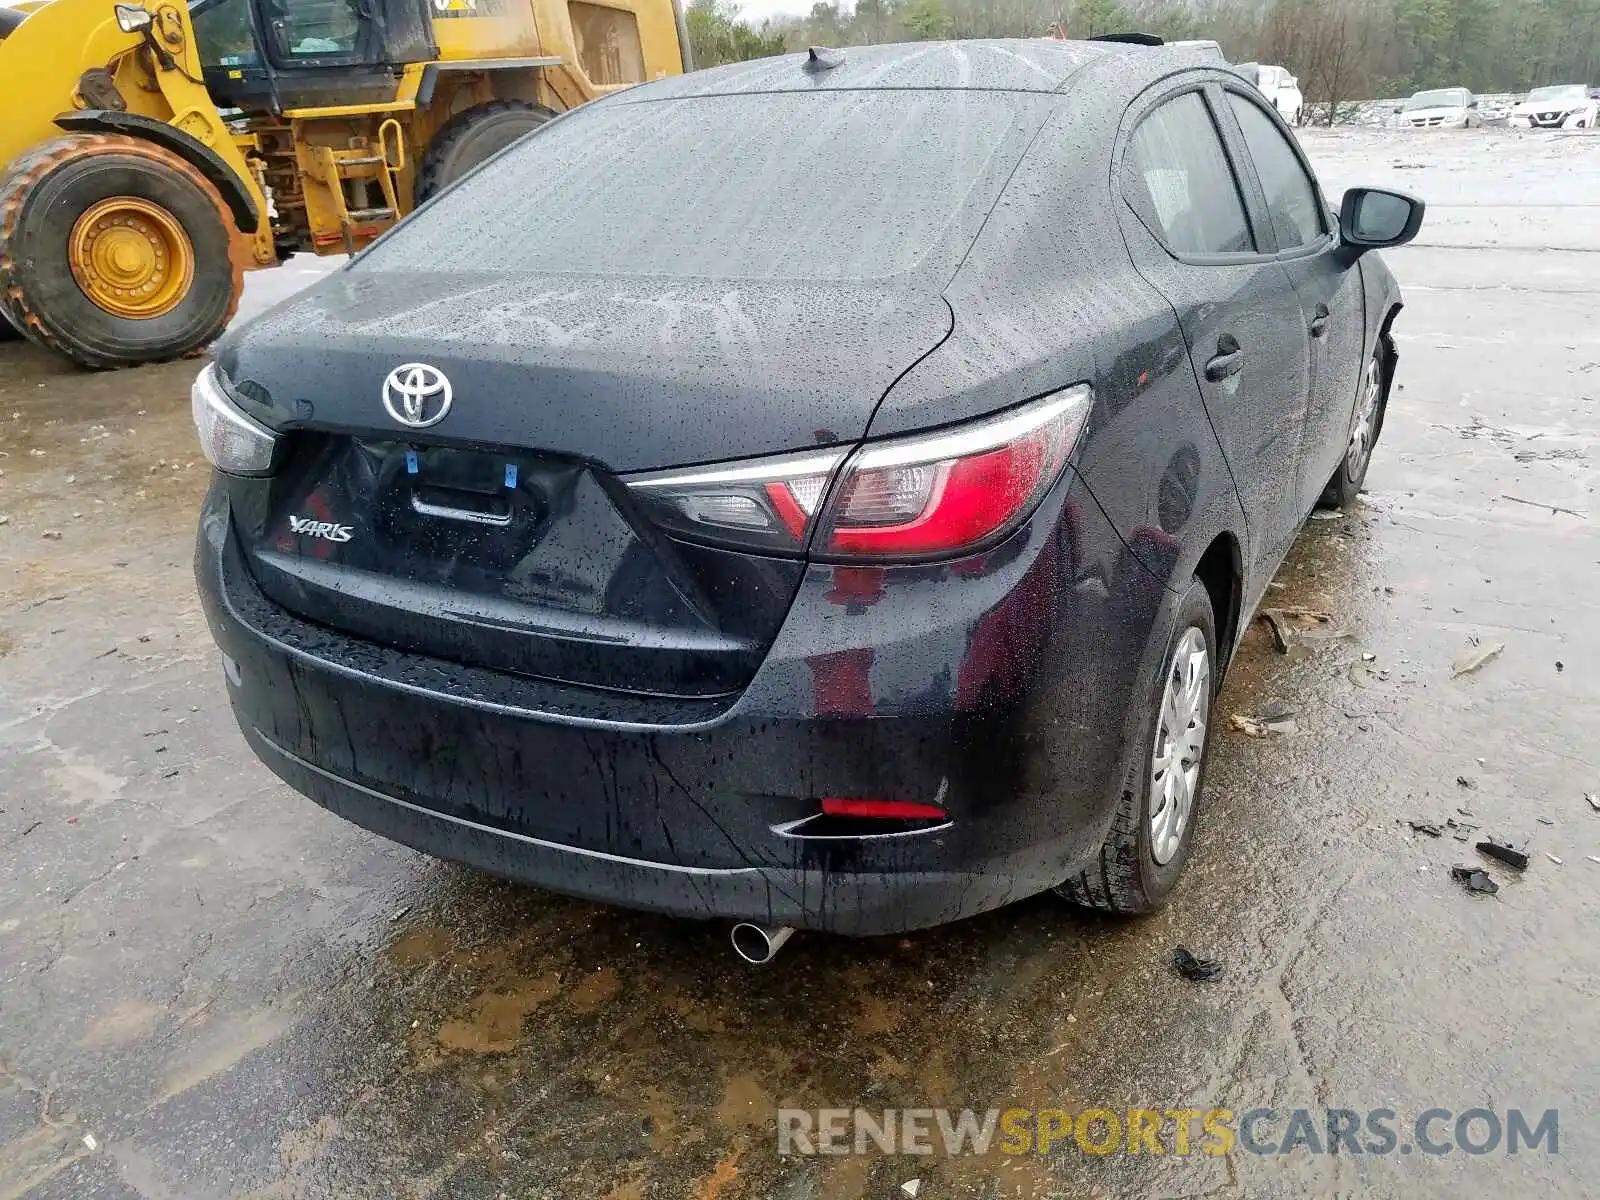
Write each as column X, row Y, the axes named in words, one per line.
column 286, row 54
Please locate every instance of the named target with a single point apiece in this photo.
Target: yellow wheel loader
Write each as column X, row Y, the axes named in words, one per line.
column 152, row 152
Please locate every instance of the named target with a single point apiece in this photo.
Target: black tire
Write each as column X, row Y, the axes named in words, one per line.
column 41, row 199
column 1125, row 877
column 471, row 136
column 1351, row 474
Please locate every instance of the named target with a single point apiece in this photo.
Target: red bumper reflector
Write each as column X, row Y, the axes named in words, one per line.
column 889, row 810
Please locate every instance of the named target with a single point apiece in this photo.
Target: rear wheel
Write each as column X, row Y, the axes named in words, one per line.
column 471, row 136
column 115, row 251
column 1148, row 845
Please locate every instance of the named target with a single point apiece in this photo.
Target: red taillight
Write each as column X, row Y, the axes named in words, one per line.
column 921, row 496
column 940, row 493
column 885, row 810
column 967, row 501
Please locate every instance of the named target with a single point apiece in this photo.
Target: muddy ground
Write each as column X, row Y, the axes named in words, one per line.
column 211, row 988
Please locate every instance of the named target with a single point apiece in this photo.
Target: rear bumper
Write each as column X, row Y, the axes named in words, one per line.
column 998, row 687
column 850, row 902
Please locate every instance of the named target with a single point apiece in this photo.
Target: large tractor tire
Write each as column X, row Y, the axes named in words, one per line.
column 115, row 251
column 471, row 136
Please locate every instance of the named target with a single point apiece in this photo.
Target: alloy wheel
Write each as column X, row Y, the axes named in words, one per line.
column 1179, row 744
column 1364, row 428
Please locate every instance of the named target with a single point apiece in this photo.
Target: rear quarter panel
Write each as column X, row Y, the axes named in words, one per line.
column 1049, row 297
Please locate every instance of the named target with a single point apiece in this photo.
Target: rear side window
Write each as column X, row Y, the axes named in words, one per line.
column 1176, row 175
column 820, row 186
column 1291, row 197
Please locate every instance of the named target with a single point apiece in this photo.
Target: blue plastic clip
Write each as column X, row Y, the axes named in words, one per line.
column 511, row 475
column 411, row 462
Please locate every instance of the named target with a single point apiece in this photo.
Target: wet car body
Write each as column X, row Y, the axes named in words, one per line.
column 1441, row 108
column 599, row 705
column 1561, row 106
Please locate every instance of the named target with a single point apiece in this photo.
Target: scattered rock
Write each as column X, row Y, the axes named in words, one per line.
column 1552, row 858
column 1465, row 781
column 1475, row 879
column 1275, row 718
column 1199, row 970
column 1293, row 624
column 1280, row 632
column 1476, row 659
column 1503, row 851
column 1427, row 827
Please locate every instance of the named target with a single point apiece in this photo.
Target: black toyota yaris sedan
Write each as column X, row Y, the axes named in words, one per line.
column 821, row 492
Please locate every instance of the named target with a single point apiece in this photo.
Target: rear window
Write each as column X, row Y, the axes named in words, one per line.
column 837, row 186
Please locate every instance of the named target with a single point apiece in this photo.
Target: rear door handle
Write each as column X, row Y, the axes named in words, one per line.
column 1319, row 322
column 1228, row 361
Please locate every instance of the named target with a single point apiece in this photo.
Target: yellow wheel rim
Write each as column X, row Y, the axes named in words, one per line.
column 132, row 258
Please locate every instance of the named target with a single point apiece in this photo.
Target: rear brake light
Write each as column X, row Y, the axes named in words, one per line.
column 944, row 492
column 886, row 810
column 925, row 495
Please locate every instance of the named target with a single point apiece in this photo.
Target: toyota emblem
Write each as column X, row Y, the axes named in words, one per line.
column 417, row 395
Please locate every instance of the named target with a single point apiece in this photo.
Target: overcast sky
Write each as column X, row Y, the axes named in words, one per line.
column 754, row 11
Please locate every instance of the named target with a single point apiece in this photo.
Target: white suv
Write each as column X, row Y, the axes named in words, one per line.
column 1283, row 89
column 1564, row 106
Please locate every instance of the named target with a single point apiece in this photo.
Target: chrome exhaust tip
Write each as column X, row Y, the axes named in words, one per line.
column 758, row 944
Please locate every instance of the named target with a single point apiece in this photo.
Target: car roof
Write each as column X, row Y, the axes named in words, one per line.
column 1005, row 64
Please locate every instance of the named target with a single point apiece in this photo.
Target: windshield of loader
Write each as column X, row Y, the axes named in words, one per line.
column 222, row 31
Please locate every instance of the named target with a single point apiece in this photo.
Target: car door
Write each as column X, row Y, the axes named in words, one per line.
column 1327, row 281
column 1189, row 234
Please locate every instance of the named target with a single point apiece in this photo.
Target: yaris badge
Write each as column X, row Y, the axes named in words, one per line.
column 417, row 395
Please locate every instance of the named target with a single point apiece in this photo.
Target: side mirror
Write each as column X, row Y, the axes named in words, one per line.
column 1472, row 103
column 1375, row 218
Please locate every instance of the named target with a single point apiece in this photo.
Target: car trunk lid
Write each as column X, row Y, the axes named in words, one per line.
column 501, row 535
column 635, row 374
